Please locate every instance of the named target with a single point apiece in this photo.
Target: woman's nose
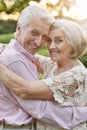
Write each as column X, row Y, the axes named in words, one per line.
column 52, row 45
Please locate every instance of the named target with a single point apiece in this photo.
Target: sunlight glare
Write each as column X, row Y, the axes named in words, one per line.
column 9, row 2
column 5, row 16
column 33, row 3
column 53, row 2
column 54, row 13
column 79, row 11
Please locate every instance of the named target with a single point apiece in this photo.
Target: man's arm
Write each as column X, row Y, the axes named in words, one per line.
column 2, row 47
column 65, row 117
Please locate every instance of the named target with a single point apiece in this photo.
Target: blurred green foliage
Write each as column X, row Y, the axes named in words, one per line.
column 7, row 27
column 19, row 5
column 83, row 59
column 43, row 51
column 5, row 38
column 16, row 6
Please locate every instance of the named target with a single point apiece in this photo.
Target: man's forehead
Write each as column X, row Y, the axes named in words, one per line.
column 39, row 24
column 40, row 29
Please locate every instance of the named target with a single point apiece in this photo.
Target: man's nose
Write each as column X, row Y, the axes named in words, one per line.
column 38, row 41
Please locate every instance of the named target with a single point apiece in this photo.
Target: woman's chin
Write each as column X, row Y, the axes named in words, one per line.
column 53, row 59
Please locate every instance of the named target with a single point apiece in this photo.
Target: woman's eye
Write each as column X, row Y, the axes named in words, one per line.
column 58, row 41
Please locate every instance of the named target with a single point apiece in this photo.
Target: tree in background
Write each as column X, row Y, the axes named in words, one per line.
column 12, row 6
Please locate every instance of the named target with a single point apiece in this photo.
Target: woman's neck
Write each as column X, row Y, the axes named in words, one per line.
column 65, row 65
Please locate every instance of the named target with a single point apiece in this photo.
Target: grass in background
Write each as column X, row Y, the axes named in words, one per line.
column 5, row 38
column 43, row 51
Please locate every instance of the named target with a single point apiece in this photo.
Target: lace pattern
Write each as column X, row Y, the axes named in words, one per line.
column 69, row 87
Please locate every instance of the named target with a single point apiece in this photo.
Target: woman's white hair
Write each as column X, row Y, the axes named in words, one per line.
column 74, row 34
column 35, row 11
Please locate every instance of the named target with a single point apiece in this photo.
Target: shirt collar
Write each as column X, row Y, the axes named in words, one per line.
column 20, row 49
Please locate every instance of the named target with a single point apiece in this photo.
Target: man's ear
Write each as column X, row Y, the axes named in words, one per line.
column 18, row 29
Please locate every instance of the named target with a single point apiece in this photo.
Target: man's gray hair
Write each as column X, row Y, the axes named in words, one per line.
column 35, row 11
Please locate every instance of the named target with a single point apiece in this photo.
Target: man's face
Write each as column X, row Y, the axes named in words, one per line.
column 34, row 35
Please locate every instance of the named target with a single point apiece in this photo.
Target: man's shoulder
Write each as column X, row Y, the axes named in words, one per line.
column 10, row 55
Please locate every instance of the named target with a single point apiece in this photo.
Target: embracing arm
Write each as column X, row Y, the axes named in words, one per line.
column 23, row 88
column 51, row 110
column 61, row 87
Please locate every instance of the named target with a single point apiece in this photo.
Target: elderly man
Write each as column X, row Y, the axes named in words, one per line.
column 31, row 33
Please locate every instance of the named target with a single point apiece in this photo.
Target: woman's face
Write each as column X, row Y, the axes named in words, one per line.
column 57, row 45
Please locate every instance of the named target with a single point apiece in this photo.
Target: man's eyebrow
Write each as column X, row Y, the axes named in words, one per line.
column 35, row 31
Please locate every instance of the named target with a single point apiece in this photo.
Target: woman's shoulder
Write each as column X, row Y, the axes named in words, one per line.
column 79, row 69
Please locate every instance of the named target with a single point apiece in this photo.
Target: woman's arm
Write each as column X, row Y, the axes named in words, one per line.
column 23, row 88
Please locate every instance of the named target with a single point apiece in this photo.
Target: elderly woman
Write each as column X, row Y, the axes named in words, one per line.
column 64, row 75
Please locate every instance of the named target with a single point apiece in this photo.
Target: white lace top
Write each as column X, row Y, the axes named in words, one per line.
column 69, row 88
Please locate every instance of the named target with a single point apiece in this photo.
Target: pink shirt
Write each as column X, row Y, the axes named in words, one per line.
column 20, row 61
column 16, row 111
